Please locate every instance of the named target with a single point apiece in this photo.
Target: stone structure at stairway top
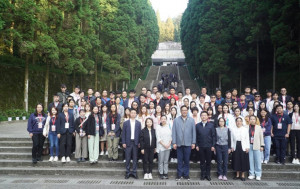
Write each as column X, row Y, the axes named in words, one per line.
column 168, row 52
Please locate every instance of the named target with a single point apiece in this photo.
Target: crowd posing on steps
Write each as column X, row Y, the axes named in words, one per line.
column 242, row 131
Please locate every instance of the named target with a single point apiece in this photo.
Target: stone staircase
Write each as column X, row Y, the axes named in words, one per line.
column 15, row 159
column 154, row 76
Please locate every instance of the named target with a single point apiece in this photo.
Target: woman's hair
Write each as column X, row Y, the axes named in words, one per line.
column 51, row 114
column 260, row 117
column 149, row 118
column 42, row 112
column 141, row 113
column 175, row 114
column 296, row 104
column 92, row 112
column 104, row 105
column 223, row 120
column 116, row 112
column 125, row 116
column 161, row 117
column 211, row 109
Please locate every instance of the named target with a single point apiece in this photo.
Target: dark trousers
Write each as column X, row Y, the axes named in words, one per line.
column 131, row 151
column 280, row 143
column 295, row 141
column 205, row 160
column 66, row 144
column 222, row 159
column 183, row 161
column 194, row 156
column 148, row 160
column 37, row 145
column 173, row 154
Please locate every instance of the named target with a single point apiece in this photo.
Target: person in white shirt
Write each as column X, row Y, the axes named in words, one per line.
column 240, row 145
column 76, row 95
column 295, row 134
column 180, row 100
column 164, row 141
column 230, row 123
column 204, row 93
column 196, row 115
column 154, row 90
column 187, row 94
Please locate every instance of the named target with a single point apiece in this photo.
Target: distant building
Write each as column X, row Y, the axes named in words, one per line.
column 168, row 53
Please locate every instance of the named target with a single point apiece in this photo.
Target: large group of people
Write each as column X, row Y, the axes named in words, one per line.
column 170, row 126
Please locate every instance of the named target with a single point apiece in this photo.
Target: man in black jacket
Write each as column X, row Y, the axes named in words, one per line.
column 55, row 104
column 205, row 142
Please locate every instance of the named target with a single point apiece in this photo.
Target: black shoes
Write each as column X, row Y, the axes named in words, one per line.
column 34, row 161
column 243, row 179
column 135, row 176
column 237, row 178
column 202, row 178
column 166, row 176
column 126, row 176
column 187, row 178
column 39, row 159
column 161, row 176
column 208, row 178
column 178, row 178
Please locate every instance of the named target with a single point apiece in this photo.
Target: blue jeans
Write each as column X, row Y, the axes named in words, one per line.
column 265, row 155
column 183, row 161
column 255, row 162
column 54, row 140
column 222, row 159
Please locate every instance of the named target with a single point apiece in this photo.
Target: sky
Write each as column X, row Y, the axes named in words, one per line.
column 169, row 8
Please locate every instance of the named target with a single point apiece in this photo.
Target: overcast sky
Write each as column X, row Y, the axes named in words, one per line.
column 169, row 8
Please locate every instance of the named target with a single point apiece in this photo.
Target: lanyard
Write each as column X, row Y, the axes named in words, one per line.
column 252, row 130
column 53, row 120
column 113, row 120
column 279, row 118
column 40, row 117
column 81, row 120
column 264, row 123
column 97, row 119
column 104, row 115
column 67, row 117
column 297, row 117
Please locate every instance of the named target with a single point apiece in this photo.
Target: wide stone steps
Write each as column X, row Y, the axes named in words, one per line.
column 152, row 73
column 15, row 159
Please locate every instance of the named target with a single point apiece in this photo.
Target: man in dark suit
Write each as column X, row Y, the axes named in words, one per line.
column 284, row 98
column 205, row 143
column 55, row 104
column 130, row 141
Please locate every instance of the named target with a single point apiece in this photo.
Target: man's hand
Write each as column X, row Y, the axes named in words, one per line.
column 193, row 146
column 124, row 146
column 58, row 135
column 212, row 149
column 30, row 134
column 74, row 133
column 261, row 149
column 247, row 150
column 287, row 135
column 229, row 150
column 142, row 151
column 174, row 146
column 89, row 136
column 197, row 148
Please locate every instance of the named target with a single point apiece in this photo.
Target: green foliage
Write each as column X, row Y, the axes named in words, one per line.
column 220, row 38
column 111, row 38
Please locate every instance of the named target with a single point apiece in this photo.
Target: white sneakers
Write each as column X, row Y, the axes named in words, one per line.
column 101, row 153
column 68, row 159
column 295, row 161
column 106, row 153
column 55, row 158
column 63, row 159
column 140, row 161
column 251, row 177
column 51, row 159
column 148, row 176
column 265, row 162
